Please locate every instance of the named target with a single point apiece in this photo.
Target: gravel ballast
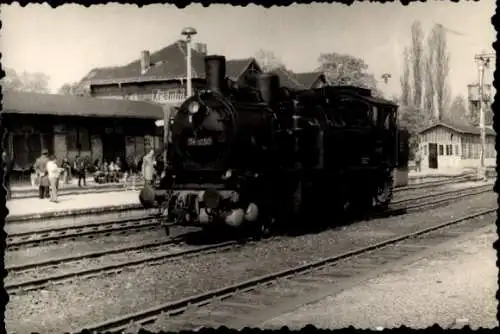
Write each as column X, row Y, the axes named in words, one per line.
column 71, row 306
column 457, row 285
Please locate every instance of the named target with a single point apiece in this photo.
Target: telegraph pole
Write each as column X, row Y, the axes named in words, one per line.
column 483, row 61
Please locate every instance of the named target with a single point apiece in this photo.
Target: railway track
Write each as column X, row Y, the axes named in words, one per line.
column 27, row 276
column 57, row 234
column 433, row 184
column 251, row 301
column 128, row 226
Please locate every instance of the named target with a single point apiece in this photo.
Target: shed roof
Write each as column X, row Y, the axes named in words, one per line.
column 69, row 105
column 288, row 79
column 168, row 63
column 309, row 78
column 459, row 128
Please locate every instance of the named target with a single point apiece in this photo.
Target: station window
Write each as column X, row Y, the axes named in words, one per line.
column 441, row 150
column 456, row 150
column 425, row 149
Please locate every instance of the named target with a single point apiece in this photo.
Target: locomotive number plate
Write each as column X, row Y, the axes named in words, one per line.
column 200, row 141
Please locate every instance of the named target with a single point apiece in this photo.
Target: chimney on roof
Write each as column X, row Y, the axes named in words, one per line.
column 201, row 47
column 145, row 61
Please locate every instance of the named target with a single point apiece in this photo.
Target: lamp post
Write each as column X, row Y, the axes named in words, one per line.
column 188, row 32
column 483, row 62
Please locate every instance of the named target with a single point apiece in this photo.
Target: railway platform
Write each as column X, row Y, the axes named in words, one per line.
column 453, row 286
column 29, row 209
column 31, row 191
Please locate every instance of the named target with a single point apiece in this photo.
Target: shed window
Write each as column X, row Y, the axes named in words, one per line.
column 440, row 149
column 449, row 149
column 425, row 149
column 476, row 149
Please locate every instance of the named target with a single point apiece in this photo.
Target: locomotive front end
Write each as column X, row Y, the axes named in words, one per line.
column 199, row 187
column 215, row 205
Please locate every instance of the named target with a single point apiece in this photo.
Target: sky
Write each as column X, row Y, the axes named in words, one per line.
column 69, row 41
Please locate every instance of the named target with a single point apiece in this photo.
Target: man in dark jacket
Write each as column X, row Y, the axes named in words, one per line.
column 42, row 175
column 7, row 165
column 80, row 167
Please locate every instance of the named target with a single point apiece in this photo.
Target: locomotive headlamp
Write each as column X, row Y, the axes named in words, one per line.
column 193, row 107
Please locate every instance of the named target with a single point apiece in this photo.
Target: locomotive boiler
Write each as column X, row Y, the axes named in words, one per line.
column 259, row 154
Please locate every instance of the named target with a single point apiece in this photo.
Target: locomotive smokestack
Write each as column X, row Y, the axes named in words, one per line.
column 268, row 86
column 215, row 72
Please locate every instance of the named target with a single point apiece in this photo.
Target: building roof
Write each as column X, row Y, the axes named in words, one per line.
column 309, row 78
column 168, row 63
column 70, row 105
column 460, row 128
column 288, row 79
column 236, row 67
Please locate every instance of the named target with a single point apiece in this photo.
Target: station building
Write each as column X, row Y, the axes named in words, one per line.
column 445, row 145
column 160, row 77
column 66, row 126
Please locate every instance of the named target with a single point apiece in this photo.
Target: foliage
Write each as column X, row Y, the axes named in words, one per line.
column 268, row 61
column 405, row 80
column 459, row 113
column 343, row 69
column 429, row 82
column 438, row 48
column 69, row 89
column 416, row 55
column 36, row 82
column 413, row 119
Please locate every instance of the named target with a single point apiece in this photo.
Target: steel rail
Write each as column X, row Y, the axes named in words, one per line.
column 40, row 282
column 433, row 184
column 17, row 240
column 50, row 262
column 466, row 191
column 150, row 315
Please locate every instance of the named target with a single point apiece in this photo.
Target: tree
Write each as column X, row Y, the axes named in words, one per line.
column 36, row 82
column 69, row 89
column 405, row 80
column 458, row 111
column 343, row 69
column 268, row 61
column 429, row 104
column 438, row 48
column 416, row 54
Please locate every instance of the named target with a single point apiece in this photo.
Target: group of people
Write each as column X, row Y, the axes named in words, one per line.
column 108, row 172
column 46, row 174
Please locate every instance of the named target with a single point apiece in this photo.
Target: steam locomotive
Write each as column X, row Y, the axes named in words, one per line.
column 259, row 154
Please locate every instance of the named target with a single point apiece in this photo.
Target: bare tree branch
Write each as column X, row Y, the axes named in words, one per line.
column 268, row 61
column 26, row 82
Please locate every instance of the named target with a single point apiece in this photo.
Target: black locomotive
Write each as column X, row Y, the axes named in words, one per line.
column 261, row 154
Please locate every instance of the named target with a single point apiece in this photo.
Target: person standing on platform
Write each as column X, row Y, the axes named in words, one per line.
column 418, row 160
column 7, row 165
column 80, row 170
column 67, row 170
column 53, row 173
column 41, row 172
column 148, row 164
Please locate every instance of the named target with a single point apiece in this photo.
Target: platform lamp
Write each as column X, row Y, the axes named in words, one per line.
column 188, row 32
